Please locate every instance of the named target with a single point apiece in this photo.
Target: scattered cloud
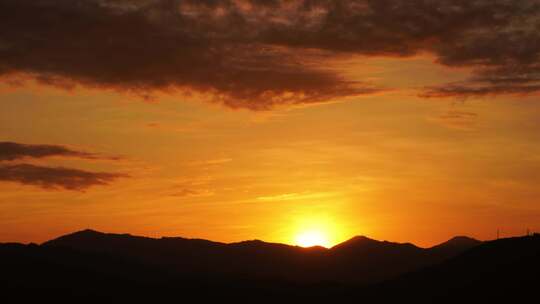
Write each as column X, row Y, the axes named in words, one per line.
column 258, row 54
column 191, row 187
column 55, row 178
column 13, row 151
column 514, row 80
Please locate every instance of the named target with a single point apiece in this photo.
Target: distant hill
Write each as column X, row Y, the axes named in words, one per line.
column 358, row 260
column 501, row 271
column 97, row 266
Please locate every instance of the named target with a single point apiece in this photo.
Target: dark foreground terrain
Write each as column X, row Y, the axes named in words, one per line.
column 90, row 266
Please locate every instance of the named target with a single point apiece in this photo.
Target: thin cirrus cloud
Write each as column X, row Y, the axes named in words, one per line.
column 54, row 178
column 258, row 54
column 460, row 120
column 186, row 192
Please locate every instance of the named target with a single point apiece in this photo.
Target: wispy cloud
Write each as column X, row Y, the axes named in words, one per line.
column 460, row 120
column 55, row 178
column 187, row 192
column 13, row 151
column 210, row 162
column 295, row 196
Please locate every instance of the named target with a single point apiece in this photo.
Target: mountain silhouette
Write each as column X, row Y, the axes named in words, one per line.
column 358, row 260
column 501, row 271
column 457, row 242
column 94, row 266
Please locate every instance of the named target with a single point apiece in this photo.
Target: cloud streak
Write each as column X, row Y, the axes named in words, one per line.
column 55, row 178
column 460, row 120
column 258, row 54
column 503, row 79
column 13, row 151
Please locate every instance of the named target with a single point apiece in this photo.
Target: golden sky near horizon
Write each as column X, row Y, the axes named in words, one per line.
column 387, row 163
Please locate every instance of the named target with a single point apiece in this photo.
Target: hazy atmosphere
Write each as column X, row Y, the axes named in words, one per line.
column 298, row 122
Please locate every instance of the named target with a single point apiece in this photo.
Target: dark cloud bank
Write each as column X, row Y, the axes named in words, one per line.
column 256, row 54
column 50, row 177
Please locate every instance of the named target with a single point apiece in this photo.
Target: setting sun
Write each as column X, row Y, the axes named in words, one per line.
column 315, row 229
column 312, row 238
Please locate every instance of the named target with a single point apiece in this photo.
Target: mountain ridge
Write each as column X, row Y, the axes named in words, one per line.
column 493, row 270
column 358, row 260
column 355, row 239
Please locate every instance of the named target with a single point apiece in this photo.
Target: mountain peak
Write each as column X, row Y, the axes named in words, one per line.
column 359, row 240
column 362, row 238
column 82, row 234
column 456, row 245
column 459, row 241
column 87, row 231
column 463, row 238
column 86, row 236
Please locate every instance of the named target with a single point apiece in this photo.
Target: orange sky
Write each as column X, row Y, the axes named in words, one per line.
column 391, row 166
column 278, row 137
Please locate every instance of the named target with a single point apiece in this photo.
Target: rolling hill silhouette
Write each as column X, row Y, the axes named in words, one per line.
column 95, row 266
column 358, row 260
column 501, row 271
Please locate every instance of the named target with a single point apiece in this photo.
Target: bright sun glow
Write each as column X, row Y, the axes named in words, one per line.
column 312, row 238
column 308, row 229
